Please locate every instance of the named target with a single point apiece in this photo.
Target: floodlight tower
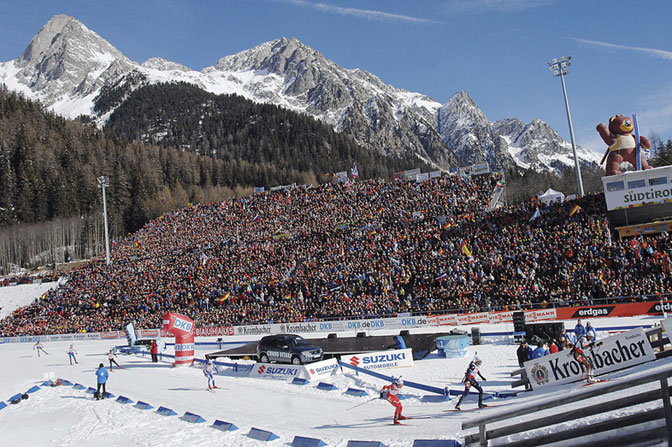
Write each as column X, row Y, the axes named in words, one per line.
column 560, row 68
column 104, row 182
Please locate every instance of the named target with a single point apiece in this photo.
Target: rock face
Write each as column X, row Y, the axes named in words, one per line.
column 67, row 60
column 66, row 66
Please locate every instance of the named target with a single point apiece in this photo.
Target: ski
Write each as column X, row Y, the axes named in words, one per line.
column 400, row 423
column 597, row 381
column 418, row 417
column 469, row 409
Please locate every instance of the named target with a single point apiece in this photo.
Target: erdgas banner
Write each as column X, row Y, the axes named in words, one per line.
column 397, row 358
column 616, row 352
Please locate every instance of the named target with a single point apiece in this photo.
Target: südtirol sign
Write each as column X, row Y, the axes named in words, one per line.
column 615, row 352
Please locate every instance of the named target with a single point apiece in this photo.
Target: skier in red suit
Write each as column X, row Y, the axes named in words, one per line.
column 389, row 392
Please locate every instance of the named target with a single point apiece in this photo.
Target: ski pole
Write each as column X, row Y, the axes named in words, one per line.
column 363, row 403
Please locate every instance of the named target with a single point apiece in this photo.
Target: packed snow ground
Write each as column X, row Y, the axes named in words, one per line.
column 63, row 416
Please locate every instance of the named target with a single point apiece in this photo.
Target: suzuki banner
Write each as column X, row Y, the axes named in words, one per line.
column 399, row 358
column 613, row 353
column 318, row 370
column 274, row 371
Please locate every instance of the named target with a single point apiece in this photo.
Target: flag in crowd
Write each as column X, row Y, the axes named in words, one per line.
column 354, row 171
column 225, row 297
column 535, row 215
column 575, row 210
column 255, row 218
column 465, row 249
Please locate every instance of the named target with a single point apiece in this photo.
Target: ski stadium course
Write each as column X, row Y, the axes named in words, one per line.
column 65, row 416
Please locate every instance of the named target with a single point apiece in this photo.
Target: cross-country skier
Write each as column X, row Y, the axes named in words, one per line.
column 71, row 353
column 110, row 356
column 38, row 346
column 577, row 351
column 470, row 380
column 209, row 371
column 389, row 392
column 101, row 373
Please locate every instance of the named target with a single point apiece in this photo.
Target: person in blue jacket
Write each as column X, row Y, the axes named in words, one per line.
column 590, row 330
column 101, row 373
column 579, row 330
column 567, row 336
column 540, row 351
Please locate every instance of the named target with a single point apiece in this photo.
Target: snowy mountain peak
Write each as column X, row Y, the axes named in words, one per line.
column 64, row 63
column 277, row 56
column 66, row 66
column 161, row 64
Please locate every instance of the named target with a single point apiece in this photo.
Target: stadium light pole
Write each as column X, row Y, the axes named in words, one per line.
column 561, row 68
column 104, row 182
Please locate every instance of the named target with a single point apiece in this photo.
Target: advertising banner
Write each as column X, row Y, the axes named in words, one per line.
column 214, row 331
column 321, row 369
column 616, row 352
column 152, row 333
column 260, row 329
column 476, row 318
column 109, row 335
column 276, row 371
column 399, row 358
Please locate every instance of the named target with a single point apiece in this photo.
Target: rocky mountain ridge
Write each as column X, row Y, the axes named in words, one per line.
column 66, row 66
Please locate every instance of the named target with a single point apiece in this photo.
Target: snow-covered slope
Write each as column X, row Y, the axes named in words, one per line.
column 65, row 416
column 66, row 66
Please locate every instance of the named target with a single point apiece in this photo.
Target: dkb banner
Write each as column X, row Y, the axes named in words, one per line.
column 616, row 352
column 183, row 329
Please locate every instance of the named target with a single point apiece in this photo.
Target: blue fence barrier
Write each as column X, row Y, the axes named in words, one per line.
column 420, row 386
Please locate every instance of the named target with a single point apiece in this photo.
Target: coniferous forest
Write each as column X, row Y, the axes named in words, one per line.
column 166, row 147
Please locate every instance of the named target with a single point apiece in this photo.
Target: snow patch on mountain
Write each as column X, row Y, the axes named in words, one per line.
column 66, row 66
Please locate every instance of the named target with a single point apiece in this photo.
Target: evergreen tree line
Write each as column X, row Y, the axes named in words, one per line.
column 49, row 169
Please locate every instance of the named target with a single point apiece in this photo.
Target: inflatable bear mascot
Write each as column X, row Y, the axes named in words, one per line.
column 618, row 136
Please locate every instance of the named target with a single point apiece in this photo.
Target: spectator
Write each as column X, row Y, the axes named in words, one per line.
column 568, row 336
column 154, row 350
column 590, row 330
column 552, row 347
column 524, row 353
column 540, row 351
column 579, row 330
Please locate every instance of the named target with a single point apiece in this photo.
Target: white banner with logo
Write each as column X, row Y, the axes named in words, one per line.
column 276, row 371
column 321, row 369
column 616, row 352
column 398, row 358
column 317, row 370
column 489, row 318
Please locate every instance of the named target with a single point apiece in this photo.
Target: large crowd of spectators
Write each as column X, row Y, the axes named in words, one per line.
column 357, row 250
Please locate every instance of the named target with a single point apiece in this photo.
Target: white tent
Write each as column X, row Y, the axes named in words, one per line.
column 551, row 196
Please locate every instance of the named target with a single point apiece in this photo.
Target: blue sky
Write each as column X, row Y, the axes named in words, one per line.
column 495, row 50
